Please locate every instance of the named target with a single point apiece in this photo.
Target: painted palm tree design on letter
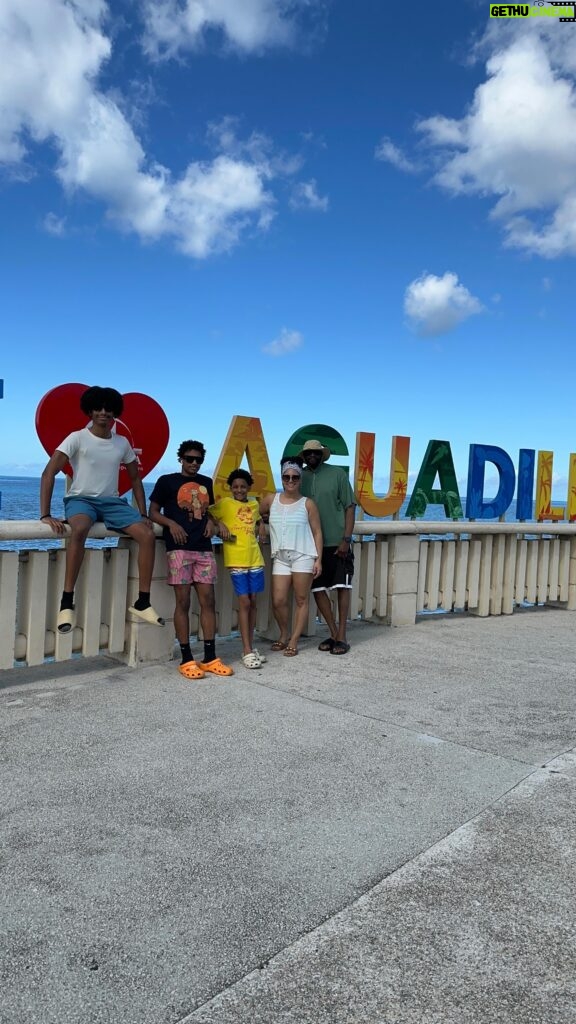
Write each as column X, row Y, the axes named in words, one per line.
column 366, row 465
column 545, row 489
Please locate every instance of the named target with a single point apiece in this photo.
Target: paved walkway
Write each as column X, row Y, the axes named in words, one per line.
column 387, row 837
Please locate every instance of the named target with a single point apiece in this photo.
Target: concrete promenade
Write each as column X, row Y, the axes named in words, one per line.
column 387, row 837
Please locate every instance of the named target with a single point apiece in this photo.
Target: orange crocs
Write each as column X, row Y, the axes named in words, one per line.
column 217, row 667
column 191, row 670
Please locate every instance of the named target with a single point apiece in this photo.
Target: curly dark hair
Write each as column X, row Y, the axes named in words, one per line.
column 187, row 445
column 240, row 474
column 102, row 398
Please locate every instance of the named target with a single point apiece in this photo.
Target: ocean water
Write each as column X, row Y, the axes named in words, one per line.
column 20, row 499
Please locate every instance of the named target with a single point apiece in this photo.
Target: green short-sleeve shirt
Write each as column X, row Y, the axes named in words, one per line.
column 330, row 488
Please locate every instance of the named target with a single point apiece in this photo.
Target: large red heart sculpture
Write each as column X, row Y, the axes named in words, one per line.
column 143, row 422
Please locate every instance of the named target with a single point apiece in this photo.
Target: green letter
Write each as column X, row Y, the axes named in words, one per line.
column 438, row 462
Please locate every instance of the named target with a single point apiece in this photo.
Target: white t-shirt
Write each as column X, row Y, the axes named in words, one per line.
column 95, row 462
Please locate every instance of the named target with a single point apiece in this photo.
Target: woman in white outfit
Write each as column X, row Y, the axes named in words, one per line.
column 296, row 539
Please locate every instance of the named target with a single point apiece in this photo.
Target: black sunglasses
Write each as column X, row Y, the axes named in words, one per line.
column 287, row 477
column 198, row 459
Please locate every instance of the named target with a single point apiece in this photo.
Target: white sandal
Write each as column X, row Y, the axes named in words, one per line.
column 147, row 615
column 262, row 657
column 251, row 660
column 66, row 619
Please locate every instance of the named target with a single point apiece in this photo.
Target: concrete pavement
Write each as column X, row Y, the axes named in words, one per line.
column 386, row 837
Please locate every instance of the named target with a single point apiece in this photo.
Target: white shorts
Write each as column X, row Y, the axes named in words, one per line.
column 286, row 562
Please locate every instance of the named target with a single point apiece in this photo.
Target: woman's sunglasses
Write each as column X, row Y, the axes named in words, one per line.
column 290, row 479
column 198, row 459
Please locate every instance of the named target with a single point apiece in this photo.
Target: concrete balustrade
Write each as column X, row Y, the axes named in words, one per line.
column 403, row 568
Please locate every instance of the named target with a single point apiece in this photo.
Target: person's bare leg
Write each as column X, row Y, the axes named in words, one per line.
column 324, row 605
column 301, row 581
column 244, row 612
column 75, row 547
column 182, row 612
column 343, row 609
column 252, row 619
column 206, row 600
column 146, row 540
column 280, row 591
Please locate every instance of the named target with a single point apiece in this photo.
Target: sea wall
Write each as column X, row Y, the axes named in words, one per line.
column 401, row 573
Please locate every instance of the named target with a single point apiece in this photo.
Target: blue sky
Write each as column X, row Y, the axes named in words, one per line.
column 306, row 211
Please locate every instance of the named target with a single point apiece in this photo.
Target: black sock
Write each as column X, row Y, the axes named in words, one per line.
column 67, row 600
column 143, row 601
column 209, row 650
column 186, row 653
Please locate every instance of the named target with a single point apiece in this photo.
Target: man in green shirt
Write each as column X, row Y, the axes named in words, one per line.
column 330, row 488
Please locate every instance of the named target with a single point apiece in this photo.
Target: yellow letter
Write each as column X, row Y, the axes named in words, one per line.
column 544, row 489
column 571, row 502
column 244, row 437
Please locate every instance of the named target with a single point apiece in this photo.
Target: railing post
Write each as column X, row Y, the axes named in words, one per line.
column 8, row 604
column 144, row 642
column 403, row 560
column 571, row 604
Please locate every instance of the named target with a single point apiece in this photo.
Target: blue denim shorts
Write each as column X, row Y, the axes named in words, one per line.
column 115, row 513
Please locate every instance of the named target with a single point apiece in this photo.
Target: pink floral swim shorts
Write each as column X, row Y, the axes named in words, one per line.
column 191, row 567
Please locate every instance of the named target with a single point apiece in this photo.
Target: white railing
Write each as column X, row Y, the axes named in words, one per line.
column 482, row 568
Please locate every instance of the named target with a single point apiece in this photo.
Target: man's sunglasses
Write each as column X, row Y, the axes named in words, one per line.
column 290, row 478
column 198, row 459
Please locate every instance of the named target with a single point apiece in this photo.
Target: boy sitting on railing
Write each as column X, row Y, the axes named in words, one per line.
column 96, row 453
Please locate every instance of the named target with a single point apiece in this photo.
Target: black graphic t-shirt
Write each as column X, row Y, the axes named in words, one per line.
column 185, row 499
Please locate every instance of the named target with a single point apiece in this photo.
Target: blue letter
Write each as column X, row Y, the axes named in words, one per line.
column 525, row 492
column 476, row 507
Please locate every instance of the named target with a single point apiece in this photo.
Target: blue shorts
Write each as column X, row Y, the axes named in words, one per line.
column 115, row 513
column 247, row 581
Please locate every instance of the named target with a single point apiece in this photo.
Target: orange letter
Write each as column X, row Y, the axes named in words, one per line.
column 364, row 475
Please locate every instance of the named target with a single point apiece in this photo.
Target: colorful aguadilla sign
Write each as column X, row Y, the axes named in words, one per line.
column 436, row 481
column 146, row 425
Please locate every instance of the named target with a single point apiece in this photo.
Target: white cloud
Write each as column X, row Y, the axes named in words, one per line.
column 245, row 25
column 287, row 341
column 387, row 151
column 212, row 204
column 435, row 305
column 51, row 55
column 517, row 143
column 258, row 148
column 305, row 197
column 54, row 225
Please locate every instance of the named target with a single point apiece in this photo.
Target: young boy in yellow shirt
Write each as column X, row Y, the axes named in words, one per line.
column 238, row 522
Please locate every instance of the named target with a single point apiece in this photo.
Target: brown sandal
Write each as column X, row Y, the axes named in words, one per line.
column 278, row 645
column 290, row 652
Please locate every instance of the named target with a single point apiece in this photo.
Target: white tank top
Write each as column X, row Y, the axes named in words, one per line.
column 290, row 528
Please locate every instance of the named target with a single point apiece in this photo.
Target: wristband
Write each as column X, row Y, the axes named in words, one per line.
column 47, row 516
column 347, row 540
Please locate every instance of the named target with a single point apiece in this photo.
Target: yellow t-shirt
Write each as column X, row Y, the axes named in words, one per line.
column 240, row 517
